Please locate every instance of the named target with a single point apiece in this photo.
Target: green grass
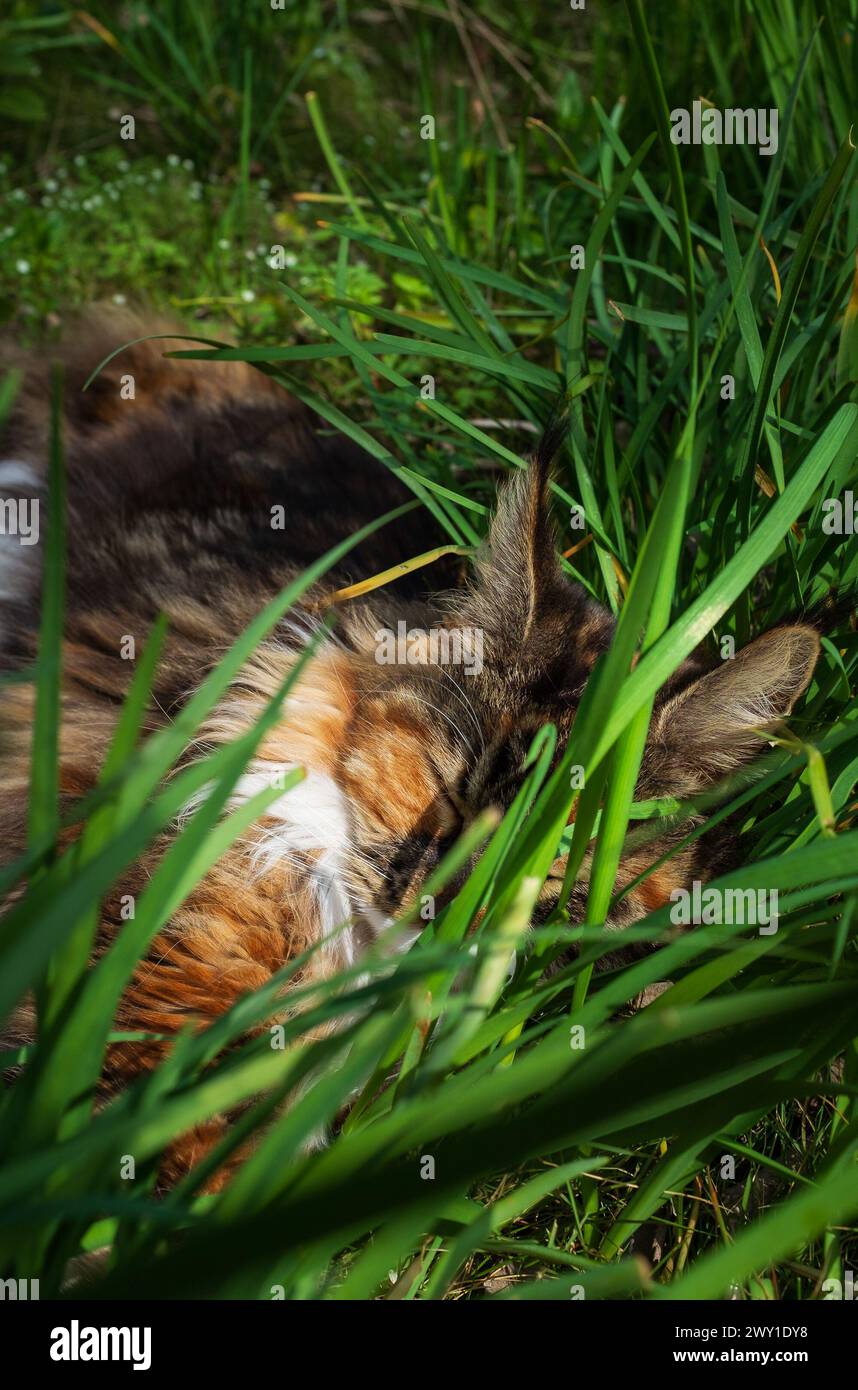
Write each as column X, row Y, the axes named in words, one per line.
column 555, row 1165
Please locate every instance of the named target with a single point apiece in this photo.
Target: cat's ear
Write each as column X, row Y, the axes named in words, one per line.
column 713, row 725
column 517, row 571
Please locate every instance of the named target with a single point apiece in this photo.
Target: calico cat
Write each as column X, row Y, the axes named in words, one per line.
column 170, row 498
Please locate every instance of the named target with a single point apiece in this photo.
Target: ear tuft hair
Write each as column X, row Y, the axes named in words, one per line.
column 553, row 436
column 831, row 612
column 519, row 570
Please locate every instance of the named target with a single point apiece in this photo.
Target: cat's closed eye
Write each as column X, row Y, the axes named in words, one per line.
column 454, row 809
column 450, row 822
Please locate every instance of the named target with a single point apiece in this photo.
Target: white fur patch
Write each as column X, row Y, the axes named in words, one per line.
column 311, row 819
column 17, row 473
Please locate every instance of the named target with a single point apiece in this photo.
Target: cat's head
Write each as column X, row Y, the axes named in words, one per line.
column 442, row 726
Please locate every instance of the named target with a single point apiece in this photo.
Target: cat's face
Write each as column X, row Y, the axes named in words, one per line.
column 431, row 743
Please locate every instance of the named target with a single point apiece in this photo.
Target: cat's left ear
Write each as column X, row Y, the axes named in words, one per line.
column 518, row 573
column 715, row 723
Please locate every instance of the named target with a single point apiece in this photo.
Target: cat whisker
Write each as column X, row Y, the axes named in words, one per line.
column 463, row 700
column 428, row 705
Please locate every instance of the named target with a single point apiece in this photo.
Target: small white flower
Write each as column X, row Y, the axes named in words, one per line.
column 119, row 299
column 223, row 244
column 173, row 160
column 51, row 185
column 248, row 296
column 22, row 267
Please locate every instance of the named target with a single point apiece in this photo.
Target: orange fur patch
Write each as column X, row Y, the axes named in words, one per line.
column 388, row 771
column 655, row 890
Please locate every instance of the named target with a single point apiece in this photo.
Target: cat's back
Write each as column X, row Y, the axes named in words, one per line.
column 194, row 488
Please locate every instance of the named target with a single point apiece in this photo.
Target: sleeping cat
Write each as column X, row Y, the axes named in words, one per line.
column 170, row 498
